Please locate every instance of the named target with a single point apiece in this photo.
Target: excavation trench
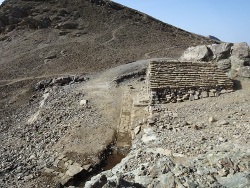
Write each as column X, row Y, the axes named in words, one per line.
column 116, row 151
column 110, row 158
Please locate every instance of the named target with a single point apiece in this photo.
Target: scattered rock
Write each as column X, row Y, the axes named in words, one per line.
column 38, row 22
column 221, row 139
column 151, row 121
column 211, row 119
column 73, row 170
column 51, row 55
column 197, row 53
column 213, row 37
column 221, row 51
column 83, row 102
column 162, row 151
column 224, row 65
column 63, row 80
column 222, row 122
column 137, row 130
column 240, row 50
column 43, row 84
column 245, row 71
column 67, row 25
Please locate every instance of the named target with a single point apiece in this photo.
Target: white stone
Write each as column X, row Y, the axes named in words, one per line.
column 147, row 138
column 137, row 130
column 179, row 155
column 83, row 102
column 211, row 119
column 32, row 157
column 73, row 170
column 162, row 151
column 223, row 122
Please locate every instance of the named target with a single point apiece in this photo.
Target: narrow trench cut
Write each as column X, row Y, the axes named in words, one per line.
column 117, row 150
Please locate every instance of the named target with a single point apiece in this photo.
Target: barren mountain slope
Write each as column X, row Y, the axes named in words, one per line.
column 49, row 38
column 42, row 40
column 81, row 36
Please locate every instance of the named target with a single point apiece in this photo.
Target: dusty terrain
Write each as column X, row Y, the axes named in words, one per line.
column 80, row 122
column 48, row 39
column 208, row 146
column 83, row 132
column 53, row 123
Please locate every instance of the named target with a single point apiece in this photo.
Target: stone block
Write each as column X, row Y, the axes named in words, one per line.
column 83, row 102
column 211, row 119
column 191, row 97
column 65, row 179
column 240, row 49
column 211, row 94
column 73, row 170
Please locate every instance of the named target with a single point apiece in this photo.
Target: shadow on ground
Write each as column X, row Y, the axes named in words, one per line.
column 237, row 85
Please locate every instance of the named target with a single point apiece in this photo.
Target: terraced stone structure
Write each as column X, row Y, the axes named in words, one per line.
column 175, row 81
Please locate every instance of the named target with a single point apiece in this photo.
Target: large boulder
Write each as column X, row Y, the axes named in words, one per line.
column 236, row 62
column 233, row 59
column 245, row 72
column 220, row 51
column 240, row 49
column 224, row 65
column 213, row 37
column 197, row 53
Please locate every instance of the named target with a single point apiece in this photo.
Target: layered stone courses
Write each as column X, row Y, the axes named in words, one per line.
column 174, row 81
column 124, row 129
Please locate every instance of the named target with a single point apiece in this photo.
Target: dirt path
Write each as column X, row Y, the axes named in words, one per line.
column 113, row 33
column 13, row 81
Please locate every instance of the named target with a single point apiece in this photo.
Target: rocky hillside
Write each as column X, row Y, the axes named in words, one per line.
column 42, row 39
column 66, row 87
column 52, row 38
column 200, row 143
column 61, row 36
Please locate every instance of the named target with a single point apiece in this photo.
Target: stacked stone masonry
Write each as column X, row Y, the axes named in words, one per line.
column 175, row 81
column 124, row 129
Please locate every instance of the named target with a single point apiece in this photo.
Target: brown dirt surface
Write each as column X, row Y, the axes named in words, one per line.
column 52, row 38
column 107, row 35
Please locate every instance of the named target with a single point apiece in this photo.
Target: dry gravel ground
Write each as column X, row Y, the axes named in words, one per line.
column 37, row 126
column 106, row 35
column 196, row 153
column 53, row 122
column 231, row 114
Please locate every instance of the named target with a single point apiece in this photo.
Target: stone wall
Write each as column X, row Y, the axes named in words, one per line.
column 175, row 81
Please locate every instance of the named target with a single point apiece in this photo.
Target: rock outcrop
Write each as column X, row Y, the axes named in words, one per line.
column 234, row 59
column 213, row 37
column 173, row 146
column 198, row 53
